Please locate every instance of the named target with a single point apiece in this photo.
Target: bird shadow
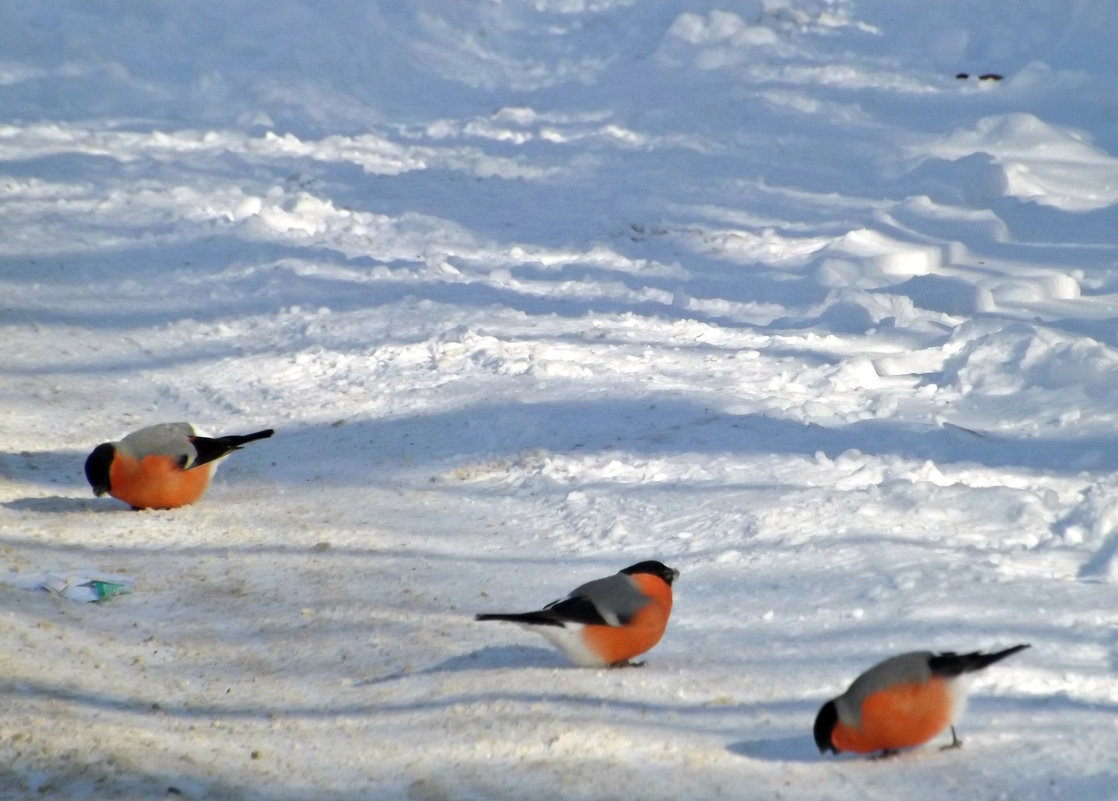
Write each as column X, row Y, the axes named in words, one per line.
column 796, row 748
column 60, row 504
column 493, row 657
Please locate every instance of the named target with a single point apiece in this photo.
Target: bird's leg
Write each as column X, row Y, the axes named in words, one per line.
column 886, row 753
column 955, row 741
column 624, row 663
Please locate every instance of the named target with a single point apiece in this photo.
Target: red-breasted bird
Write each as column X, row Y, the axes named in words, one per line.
column 161, row 466
column 902, row 702
column 608, row 621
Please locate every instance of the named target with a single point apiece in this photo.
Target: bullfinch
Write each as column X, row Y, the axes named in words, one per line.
column 902, row 702
column 608, row 621
column 161, row 466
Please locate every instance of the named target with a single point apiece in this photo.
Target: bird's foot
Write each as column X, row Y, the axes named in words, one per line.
column 955, row 742
column 886, row 753
column 624, row 663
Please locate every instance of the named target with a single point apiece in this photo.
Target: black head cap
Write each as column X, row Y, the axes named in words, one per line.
column 824, row 725
column 655, row 568
column 97, row 468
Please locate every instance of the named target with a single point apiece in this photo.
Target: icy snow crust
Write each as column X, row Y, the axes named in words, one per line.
column 532, row 291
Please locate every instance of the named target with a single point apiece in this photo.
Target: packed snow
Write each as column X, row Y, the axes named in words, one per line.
column 813, row 300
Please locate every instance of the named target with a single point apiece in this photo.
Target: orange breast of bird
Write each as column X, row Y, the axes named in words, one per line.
column 156, row 482
column 620, row 643
column 900, row 716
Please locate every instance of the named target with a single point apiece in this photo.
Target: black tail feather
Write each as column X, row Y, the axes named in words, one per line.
column 532, row 618
column 237, row 440
column 213, row 448
column 951, row 664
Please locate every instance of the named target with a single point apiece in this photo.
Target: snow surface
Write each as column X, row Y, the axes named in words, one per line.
column 532, row 290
